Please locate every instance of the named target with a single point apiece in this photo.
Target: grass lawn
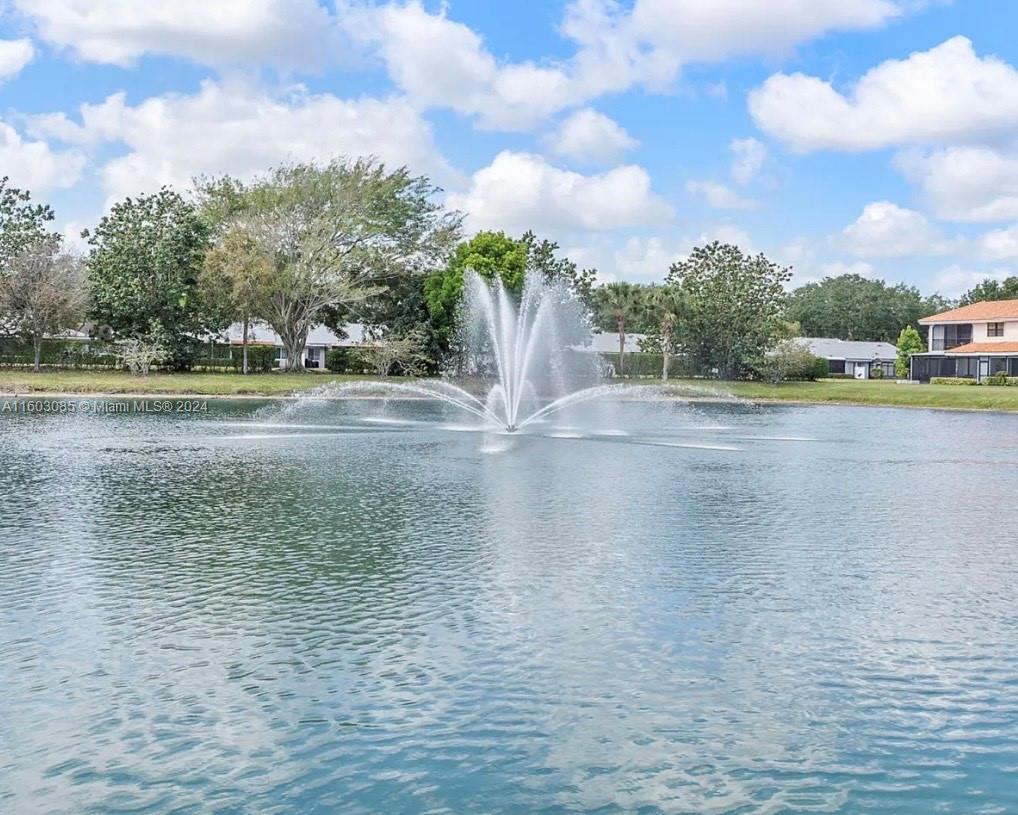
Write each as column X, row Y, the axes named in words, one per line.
column 877, row 392
column 872, row 392
column 199, row 384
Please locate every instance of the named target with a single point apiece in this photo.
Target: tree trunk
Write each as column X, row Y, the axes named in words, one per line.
column 244, row 344
column 37, row 345
column 294, row 345
column 666, row 341
column 620, row 322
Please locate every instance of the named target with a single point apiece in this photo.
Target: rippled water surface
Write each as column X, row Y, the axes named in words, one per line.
column 726, row 609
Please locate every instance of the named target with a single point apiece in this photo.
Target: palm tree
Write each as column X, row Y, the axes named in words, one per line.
column 665, row 306
column 621, row 301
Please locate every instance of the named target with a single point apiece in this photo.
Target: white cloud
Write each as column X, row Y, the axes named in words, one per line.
column 35, row 165
column 1000, row 244
column 718, row 195
column 956, row 280
column 748, row 157
column 14, row 55
column 236, row 129
column 588, row 135
column 965, row 183
column 519, row 191
column 947, row 95
column 439, row 62
column 283, row 33
column 888, row 230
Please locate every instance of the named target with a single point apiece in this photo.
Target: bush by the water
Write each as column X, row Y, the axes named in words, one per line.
column 952, row 380
column 790, row 360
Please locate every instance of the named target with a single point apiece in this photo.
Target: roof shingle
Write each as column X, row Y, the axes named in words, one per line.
column 986, row 348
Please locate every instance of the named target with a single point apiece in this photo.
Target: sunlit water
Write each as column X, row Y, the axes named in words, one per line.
column 341, row 609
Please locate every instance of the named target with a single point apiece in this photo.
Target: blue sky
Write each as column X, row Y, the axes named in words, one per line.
column 873, row 136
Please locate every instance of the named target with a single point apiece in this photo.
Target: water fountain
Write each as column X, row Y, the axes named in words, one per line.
column 518, row 361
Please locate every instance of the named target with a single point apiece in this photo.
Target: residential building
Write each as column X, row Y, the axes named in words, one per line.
column 320, row 341
column 974, row 342
column 857, row 359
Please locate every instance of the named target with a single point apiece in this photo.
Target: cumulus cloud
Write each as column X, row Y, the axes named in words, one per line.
column 718, row 195
column 947, row 95
column 955, row 280
column 519, row 191
column 588, row 135
column 888, row 230
column 1000, row 244
column 748, row 157
column 14, row 55
column 282, row 33
column 35, row 165
column 965, row 183
column 241, row 130
column 437, row 61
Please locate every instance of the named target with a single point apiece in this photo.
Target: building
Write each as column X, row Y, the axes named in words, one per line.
column 974, row 342
column 320, row 341
column 608, row 343
column 853, row 358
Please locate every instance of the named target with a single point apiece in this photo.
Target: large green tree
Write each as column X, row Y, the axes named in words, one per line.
column 851, row 307
column 1006, row 289
column 143, row 267
column 496, row 255
column 336, row 235
column 733, row 307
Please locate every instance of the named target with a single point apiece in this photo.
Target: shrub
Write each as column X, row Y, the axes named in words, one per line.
column 999, row 378
column 952, row 380
column 876, row 372
column 790, row 360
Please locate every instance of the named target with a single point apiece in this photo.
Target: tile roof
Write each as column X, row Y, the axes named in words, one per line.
column 985, row 310
column 986, row 348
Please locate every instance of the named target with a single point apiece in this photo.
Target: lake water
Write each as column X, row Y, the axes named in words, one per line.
column 730, row 609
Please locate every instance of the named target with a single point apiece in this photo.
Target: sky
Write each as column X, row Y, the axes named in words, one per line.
column 878, row 137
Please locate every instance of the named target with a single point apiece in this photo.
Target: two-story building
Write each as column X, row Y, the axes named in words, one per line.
column 974, row 341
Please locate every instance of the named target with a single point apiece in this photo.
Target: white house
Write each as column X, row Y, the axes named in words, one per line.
column 608, row 343
column 974, row 342
column 855, row 358
column 320, row 341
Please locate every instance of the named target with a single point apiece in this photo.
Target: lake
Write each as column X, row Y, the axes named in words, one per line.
column 654, row 607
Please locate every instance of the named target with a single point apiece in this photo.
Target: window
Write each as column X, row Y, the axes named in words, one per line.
column 994, row 329
column 836, row 366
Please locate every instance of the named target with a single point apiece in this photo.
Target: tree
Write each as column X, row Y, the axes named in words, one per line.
column 496, row 255
column 335, row 235
column 851, row 307
column 22, row 224
column 405, row 355
column 1006, row 289
column 237, row 272
column 143, row 268
column 665, row 306
column 734, row 306
column 909, row 342
column 42, row 293
column 620, row 301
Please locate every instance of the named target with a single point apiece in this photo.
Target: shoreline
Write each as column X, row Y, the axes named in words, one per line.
column 720, row 399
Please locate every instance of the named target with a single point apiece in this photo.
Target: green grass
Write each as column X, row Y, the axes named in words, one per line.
column 976, row 397
column 873, row 392
column 199, row 384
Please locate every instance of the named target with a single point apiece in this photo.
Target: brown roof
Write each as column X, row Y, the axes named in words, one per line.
column 986, row 348
column 986, row 310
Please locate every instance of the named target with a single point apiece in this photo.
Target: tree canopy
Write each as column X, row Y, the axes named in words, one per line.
column 851, row 307
column 143, row 268
column 1006, row 289
column 733, row 306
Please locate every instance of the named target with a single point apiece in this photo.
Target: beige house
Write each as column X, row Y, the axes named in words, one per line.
column 974, row 341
